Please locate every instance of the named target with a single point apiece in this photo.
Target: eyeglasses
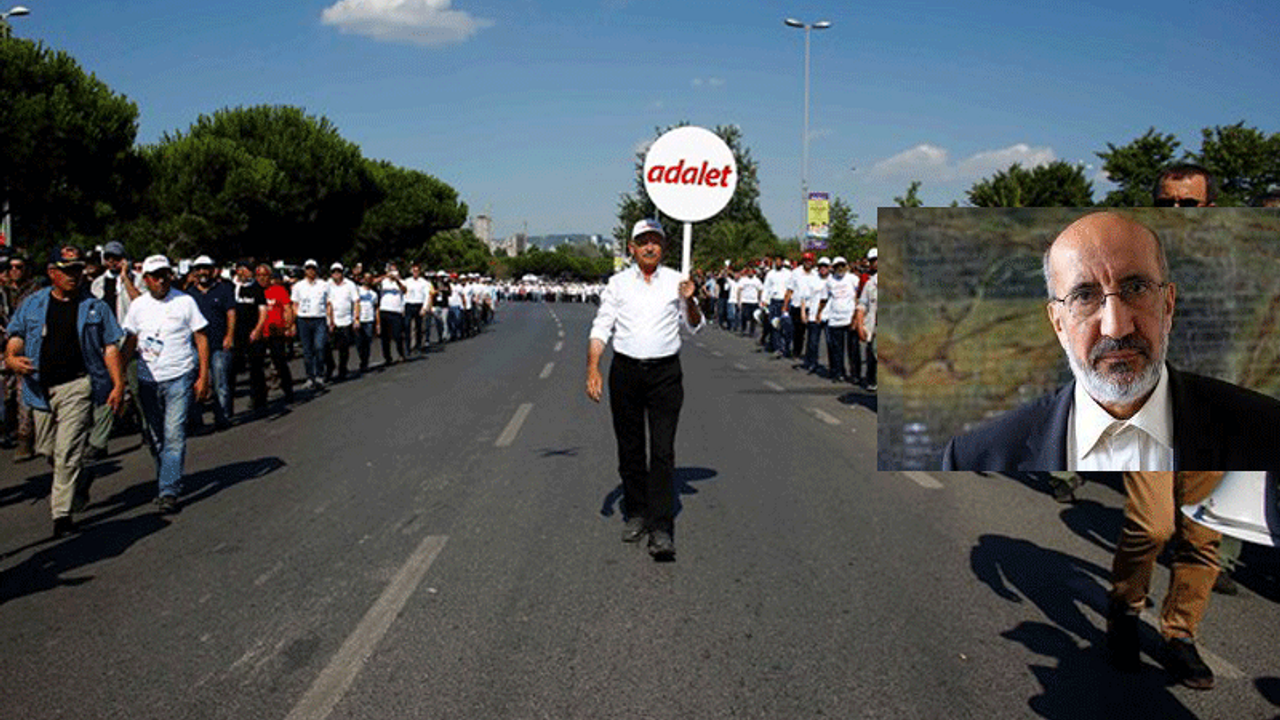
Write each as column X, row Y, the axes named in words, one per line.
column 1085, row 302
column 1178, row 202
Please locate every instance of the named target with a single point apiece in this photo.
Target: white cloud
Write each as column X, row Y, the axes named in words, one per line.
column 923, row 160
column 714, row 82
column 932, row 163
column 421, row 22
column 990, row 162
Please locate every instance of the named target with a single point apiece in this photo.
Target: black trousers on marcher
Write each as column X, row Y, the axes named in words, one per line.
column 646, row 395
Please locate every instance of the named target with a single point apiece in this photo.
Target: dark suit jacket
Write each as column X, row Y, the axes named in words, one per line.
column 1216, row 426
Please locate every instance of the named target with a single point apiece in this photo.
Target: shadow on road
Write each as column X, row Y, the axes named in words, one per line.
column 1079, row 683
column 1269, row 688
column 107, row 534
column 867, row 400
column 683, row 477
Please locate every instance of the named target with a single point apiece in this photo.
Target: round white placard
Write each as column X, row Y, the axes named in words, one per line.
column 690, row 173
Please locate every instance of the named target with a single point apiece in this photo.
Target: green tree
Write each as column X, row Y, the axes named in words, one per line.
column 743, row 210
column 266, row 180
column 1135, row 165
column 67, row 146
column 1244, row 160
column 414, row 207
column 847, row 238
column 1057, row 184
column 458, row 249
column 912, row 198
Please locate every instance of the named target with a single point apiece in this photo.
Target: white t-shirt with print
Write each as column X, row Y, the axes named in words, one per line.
column 309, row 298
column 843, row 295
column 164, row 329
column 368, row 303
column 391, row 299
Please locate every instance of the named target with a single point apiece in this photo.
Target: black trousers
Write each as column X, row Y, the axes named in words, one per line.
column 253, row 357
column 341, row 338
column 414, row 326
column 797, row 333
column 646, row 395
column 280, row 359
column 392, row 333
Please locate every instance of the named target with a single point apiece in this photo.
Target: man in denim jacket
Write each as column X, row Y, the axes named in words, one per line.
column 62, row 342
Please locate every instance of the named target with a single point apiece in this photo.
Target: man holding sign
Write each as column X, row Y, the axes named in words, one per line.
column 642, row 308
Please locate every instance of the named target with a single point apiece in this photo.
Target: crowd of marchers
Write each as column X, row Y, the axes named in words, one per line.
column 107, row 346
column 819, row 303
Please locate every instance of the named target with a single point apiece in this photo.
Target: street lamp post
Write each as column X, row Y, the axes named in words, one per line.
column 804, row 167
column 15, row 11
column 6, row 236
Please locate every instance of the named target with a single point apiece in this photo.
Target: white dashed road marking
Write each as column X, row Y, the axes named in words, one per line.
column 341, row 671
column 924, row 480
column 508, row 435
column 546, row 371
column 825, row 416
column 717, row 353
column 561, row 333
column 559, row 346
column 740, row 366
column 774, row 386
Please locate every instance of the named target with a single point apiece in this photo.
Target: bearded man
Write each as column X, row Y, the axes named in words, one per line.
column 1111, row 304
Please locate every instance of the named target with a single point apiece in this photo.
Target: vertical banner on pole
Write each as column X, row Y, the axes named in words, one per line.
column 690, row 174
column 819, row 221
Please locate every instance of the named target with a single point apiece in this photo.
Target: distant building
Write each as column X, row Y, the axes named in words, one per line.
column 482, row 226
column 514, row 245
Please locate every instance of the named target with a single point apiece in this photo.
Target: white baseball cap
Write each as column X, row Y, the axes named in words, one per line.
column 335, row 266
column 203, row 260
column 824, row 260
column 154, row 263
column 311, row 263
column 647, row 226
column 872, row 254
column 839, row 260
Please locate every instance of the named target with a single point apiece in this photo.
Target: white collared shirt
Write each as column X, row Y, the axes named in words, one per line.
column 1097, row 441
column 644, row 318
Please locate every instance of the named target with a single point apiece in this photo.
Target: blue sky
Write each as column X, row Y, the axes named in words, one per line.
column 533, row 109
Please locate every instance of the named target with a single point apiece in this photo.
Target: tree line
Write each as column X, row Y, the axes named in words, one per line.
column 263, row 181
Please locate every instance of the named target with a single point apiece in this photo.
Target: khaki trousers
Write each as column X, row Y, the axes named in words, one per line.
column 1152, row 518
column 62, row 433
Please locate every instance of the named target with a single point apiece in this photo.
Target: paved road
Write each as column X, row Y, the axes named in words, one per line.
column 440, row 540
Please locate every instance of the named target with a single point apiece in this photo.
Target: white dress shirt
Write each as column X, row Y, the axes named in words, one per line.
column 1097, row 441
column 644, row 317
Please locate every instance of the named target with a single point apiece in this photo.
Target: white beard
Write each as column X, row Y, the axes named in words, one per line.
column 1109, row 391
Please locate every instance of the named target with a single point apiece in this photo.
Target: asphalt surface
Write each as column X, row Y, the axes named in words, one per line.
column 440, row 539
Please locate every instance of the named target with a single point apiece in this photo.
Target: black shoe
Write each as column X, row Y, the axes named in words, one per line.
column 63, row 526
column 93, row 453
column 634, row 530
column 1122, row 640
column 662, row 546
column 167, row 505
column 1225, row 585
column 1183, row 662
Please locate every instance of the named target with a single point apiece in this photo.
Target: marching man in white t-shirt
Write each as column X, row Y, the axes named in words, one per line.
column 166, row 329
column 344, row 322
column 865, row 320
